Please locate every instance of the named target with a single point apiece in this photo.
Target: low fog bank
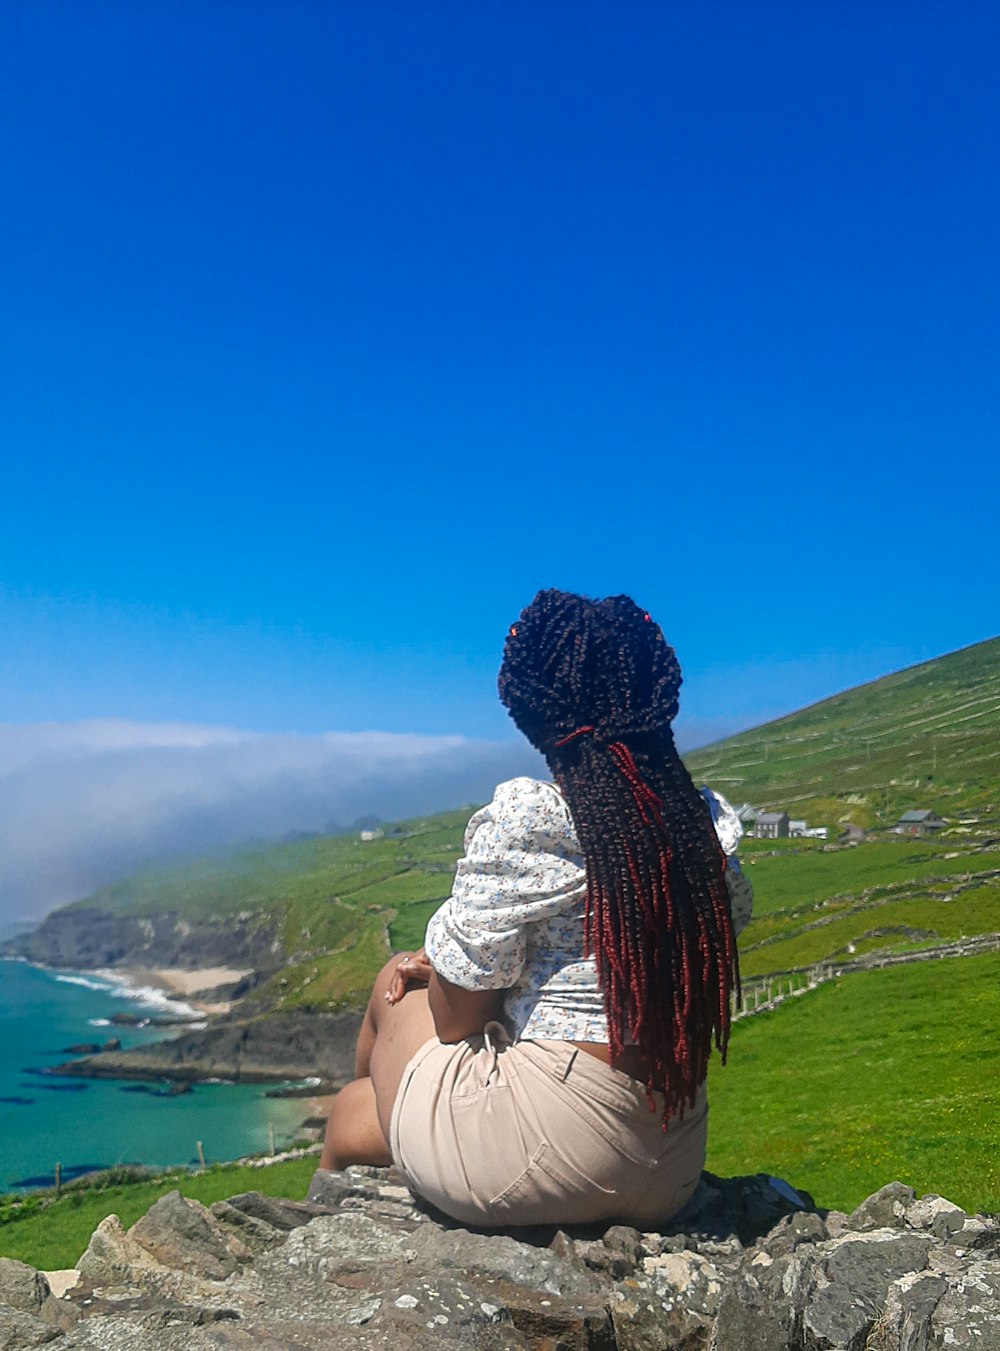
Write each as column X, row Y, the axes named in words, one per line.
column 81, row 804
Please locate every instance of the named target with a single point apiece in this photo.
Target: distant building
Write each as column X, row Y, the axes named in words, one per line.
column 747, row 815
column 772, row 826
column 369, row 835
column 923, row 822
column 816, row 833
column 797, row 829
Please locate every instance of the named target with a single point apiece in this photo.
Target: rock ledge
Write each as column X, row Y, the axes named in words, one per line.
column 750, row 1265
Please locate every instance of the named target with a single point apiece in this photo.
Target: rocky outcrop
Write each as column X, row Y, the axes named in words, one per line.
column 265, row 1049
column 750, row 1265
column 88, row 937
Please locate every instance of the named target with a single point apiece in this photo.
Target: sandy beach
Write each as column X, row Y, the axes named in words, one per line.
column 192, row 984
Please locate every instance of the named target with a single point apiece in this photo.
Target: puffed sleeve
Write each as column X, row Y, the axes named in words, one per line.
column 521, row 864
column 729, row 829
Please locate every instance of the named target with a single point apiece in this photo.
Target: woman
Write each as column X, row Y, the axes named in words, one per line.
column 543, row 1060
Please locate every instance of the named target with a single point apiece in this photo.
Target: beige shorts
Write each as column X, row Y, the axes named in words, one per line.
column 539, row 1132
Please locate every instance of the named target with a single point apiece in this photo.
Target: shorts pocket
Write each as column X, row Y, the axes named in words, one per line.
column 489, row 1138
column 551, row 1190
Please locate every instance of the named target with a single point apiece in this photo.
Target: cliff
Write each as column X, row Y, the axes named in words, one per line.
column 87, row 937
column 750, row 1265
column 265, row 1049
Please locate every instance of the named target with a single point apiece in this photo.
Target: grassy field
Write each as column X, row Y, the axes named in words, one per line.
column 814, row 905
column 50, row 1234
column 877, row 1076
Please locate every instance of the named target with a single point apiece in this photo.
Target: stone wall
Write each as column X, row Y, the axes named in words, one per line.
column 750, row 1265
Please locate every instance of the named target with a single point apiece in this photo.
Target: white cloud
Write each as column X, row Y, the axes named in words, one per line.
column 83, row 803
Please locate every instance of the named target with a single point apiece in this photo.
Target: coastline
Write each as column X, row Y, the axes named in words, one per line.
column 183, row 987
column 130, row 1099
column 304, row 1054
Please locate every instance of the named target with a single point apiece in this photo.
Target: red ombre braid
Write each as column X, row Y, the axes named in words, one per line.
column 593, row 685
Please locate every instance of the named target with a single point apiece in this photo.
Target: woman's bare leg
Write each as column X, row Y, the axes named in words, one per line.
column 391, row 1034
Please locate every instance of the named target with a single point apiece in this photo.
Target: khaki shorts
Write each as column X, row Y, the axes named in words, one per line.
column 539, row 1132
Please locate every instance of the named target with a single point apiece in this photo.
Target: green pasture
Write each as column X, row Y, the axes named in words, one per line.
column 928, row 736
column 794, row 878
column 887, row 926
column 51, row 1233
column 881, row 1075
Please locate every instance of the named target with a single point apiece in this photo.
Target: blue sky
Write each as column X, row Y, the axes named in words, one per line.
column 330, row 332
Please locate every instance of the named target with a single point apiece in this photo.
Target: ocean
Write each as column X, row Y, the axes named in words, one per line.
column 90, row 1123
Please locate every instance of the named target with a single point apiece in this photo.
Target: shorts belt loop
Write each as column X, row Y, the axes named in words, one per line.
column 570, row 1061
column 496, row 1038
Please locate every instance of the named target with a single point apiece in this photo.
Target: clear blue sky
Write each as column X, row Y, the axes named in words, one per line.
column 329, row 332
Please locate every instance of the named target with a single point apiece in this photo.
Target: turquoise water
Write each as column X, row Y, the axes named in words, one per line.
column 91, row 1123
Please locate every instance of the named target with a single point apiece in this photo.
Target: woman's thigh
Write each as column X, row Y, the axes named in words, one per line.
column 400, row 1031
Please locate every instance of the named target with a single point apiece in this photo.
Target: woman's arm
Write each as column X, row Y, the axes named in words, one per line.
column 460, row 1013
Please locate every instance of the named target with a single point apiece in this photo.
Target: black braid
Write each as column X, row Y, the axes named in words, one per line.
column 594, row 686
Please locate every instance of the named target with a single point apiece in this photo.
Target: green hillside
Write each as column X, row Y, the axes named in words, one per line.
column 887, row 1062
column 336, row 904
column 928, row 736
column 925, row 737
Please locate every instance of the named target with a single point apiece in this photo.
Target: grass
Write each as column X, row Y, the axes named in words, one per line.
column 791, row 878
column 878, row 1076
column 885, row 925
column 406, row 932
column 928, row 736
column 53, row 1235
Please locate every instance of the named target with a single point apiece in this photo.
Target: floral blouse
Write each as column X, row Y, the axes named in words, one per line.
column 514, row 920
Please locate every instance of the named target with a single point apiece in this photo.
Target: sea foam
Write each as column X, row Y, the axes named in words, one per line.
column 118, row 986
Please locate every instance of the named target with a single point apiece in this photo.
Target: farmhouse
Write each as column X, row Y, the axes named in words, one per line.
column 923, row 822
column 772, row 826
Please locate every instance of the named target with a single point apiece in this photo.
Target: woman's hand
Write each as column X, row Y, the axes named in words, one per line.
column 411, row 967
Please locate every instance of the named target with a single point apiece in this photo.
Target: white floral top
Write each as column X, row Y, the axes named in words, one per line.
column 514, row 920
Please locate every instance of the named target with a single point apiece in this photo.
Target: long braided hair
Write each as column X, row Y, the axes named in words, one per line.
column 594, row 686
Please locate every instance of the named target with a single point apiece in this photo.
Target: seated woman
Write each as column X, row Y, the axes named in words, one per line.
column 544, row 1059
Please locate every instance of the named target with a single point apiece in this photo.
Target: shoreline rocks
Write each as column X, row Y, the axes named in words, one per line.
column 268, row 1048
column 750, row 1265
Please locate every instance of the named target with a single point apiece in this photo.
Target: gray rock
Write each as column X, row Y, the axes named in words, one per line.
column 642, row 1321
column 183, row 1234
column 760, row 1310
column 968, row 1313
column 883, row 1209
column 502, row 1258
column 848, row 1285
column 452, row 1310
column 358, row 1188
column 365, row 1268
column 276, row 1210
column 254, row 1235
column 21, row 1286
column 576, row 1323
column 686, row 1280
column 980, row 1233
column 351, row 1242
column 19, row 1330
column 922, row 1214
column 904, row 1321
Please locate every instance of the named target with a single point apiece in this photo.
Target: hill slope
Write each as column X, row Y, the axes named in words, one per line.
column 928, row 736
column 313, row 916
